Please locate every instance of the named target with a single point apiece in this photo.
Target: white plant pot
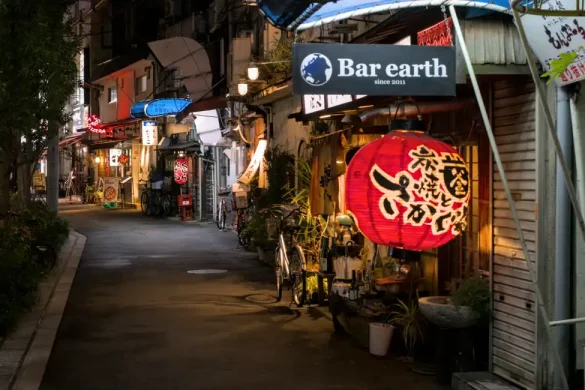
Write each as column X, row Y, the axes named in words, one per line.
column 380, row 338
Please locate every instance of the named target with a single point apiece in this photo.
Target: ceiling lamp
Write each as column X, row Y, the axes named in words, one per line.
column 242, row 88
column 253, row 72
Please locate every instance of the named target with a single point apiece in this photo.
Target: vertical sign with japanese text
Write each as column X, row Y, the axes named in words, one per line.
column 149, row 133
column 550, row 36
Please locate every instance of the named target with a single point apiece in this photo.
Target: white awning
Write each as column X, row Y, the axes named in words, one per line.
column 190, row 59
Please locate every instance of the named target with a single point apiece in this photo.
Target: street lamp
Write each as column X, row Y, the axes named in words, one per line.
column 242, row 87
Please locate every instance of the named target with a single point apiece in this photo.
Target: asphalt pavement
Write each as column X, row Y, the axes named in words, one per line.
column 137, row 319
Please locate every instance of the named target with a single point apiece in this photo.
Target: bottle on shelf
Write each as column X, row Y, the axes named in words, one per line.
column 353, row 289
column 361, row 284
column 368, row 278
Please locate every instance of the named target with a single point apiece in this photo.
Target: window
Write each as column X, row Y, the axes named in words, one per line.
column 141, row 84
column 112, row 95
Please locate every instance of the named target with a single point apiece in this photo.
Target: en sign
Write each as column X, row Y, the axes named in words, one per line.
column 380, row 70
column 550, row 36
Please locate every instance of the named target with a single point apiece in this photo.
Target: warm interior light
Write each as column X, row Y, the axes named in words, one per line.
column 98, row 160
column 242, row 88
column 253, row 72
column 325, row 116
column 368, row 106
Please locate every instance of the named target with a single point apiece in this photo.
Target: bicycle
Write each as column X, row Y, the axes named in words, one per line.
column 222, row 211
column 150, row 201
column 241, row 223
column 290, row 262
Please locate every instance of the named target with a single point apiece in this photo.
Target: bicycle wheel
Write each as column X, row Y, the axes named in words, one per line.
column 144, row 203
column 218, row 219
column 223, row 219
column 166, row 205
column 298, row 276
column 278, row 273
column 156, row 204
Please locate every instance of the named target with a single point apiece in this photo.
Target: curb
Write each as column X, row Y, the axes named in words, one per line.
column 27, row 350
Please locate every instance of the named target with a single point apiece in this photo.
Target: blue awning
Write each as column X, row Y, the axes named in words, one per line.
column 345, row 9
column 158, row 107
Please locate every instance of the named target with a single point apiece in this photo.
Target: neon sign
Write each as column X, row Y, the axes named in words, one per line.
column 94, row 124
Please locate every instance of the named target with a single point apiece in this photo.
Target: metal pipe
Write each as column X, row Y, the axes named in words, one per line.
column 551, row 125
column 567, row 322
column 579, row 150
column 411, row 109
column 562, row 300
column 201, row 172
column 511, row 202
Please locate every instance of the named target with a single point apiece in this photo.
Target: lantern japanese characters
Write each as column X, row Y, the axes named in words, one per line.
column 124, row 159
column 408, row 190
column 181, row 170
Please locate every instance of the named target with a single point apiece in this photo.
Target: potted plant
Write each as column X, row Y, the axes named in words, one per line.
column 407, row 317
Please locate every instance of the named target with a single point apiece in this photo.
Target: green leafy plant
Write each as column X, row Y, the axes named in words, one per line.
column 559, row 66
column 408, row 318
column 475, row 293
column 312, row 227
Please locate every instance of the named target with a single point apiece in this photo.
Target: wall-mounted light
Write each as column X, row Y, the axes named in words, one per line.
column 324, row 116
column 253, row 72
column 98, row 160
column 368, row 106
column 242, row 88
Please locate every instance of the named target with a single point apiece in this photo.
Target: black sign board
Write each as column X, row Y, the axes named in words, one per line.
column 378, row 70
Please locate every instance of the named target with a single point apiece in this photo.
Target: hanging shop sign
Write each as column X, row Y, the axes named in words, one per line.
column 115, row 157
column 408, row 190
column 550, row 36
column 382, row 70
column 94, row 124
column 181, row 170
column 149, row 133
column 111, row 189
column 437, row 35
column 124, row 159
column 250, row 172
column 317, row 103
column 158, row 107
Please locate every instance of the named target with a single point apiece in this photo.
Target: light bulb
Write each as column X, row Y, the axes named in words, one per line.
column 242, row 88
column 98, row 160
column 253, row 72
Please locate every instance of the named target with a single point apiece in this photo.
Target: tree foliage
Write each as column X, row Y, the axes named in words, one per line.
column 38, row 74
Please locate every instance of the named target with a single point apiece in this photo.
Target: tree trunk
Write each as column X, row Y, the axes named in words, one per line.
column 24, row 181
column 4, row 182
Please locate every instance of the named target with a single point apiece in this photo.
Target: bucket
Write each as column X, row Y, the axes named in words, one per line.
column 380, row 337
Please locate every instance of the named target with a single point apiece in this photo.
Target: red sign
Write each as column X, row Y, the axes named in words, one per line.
column 123, row 159
column 94, row 124
column 181, row 170
column 408, row 190
column 438, row 35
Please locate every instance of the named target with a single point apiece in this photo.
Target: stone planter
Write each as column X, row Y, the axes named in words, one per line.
column 442, row 312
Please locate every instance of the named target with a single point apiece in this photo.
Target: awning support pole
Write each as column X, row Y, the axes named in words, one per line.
column 551, row 125
column 498, row 160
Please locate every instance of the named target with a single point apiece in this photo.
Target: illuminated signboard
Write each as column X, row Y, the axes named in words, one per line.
column 337, row 100
column 317, row 103
column 158, row 107
column 149, row 133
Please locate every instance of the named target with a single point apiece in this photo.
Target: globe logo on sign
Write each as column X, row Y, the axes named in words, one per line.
column 316, row 69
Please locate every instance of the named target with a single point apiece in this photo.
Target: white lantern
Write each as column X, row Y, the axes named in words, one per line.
column 253, row 72
column 242, row 88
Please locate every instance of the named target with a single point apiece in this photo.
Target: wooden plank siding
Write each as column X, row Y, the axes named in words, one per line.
column 513, row 326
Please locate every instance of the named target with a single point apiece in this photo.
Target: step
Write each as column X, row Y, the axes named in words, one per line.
column 479, row 381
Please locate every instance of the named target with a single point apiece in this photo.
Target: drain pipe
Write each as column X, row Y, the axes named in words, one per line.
column 563, row 230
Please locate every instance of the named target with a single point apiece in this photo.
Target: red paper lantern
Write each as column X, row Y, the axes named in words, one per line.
column 181, row 170
column 94, row 124
column 408, row 190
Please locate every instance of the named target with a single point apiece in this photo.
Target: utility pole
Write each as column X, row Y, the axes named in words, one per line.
column 53, row 174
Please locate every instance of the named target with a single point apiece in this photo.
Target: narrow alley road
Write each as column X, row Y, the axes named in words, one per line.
column 136, row 319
